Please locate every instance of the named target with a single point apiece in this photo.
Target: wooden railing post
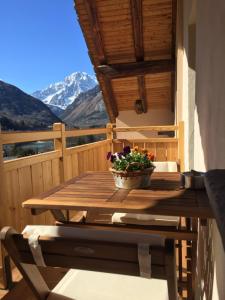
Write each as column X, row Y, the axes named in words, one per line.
column 181, row 145
column 60, row 144
column 109, row 135
column 5, row 271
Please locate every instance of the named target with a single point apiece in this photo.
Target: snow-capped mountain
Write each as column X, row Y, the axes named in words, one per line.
column 62, row 94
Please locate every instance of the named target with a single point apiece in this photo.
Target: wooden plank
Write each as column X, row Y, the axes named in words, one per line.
column 37, row 185
column 83, row 132
column 161, row 152
column 37, row 179
column 181, row 145
column 47, row 175
column 17, row 163
column 147, row 128
column 20, row 137
column 92, row 13
column 85, row 147
column 137, row 25
column 75, row 167
column 135, row 69
column 68, row 167
column 25, row 192
column 56, row 180
column 135, row 142
column 12, row 203
column 60, row 144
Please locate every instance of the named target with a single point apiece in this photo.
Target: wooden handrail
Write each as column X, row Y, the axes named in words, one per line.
column 32, row 136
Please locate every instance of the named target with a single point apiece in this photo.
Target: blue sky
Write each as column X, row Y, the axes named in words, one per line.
column 40, row 43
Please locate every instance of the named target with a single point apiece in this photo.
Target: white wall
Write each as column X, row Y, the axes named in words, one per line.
column 208, row 124
column 152, row 117
column 210, row 110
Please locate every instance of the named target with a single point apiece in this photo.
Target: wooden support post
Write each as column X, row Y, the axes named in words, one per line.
column 60, row 144
column 181, row 145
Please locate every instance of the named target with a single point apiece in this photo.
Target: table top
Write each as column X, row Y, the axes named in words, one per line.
column 96, row 190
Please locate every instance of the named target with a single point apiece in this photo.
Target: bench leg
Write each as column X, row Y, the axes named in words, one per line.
column 7, row 282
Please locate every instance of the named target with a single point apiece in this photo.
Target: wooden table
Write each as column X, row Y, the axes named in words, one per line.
column 96, row 191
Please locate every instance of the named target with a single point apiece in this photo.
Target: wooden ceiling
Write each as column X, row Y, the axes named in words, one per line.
column 132, row 47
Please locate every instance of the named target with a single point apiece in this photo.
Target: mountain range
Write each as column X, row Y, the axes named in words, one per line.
column 20, row 111
column 63, row 93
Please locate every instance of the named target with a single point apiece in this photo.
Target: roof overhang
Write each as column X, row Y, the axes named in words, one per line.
column 131, row 44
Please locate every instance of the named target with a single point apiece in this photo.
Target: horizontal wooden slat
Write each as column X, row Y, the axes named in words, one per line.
column 146, row 128
column 20, row 137
column 31, row 160
column 85, row 147
column 147, row 140
column 82, row 132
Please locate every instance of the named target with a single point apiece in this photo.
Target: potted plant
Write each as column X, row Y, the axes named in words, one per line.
column 131, row 168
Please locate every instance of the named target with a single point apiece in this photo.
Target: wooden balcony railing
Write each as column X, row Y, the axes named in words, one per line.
column 22, row 178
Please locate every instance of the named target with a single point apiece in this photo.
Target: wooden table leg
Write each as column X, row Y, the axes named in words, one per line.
column 58, row 215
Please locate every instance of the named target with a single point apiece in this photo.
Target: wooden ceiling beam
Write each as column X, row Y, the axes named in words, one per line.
column 92, row 13
column 91, row 9
column 137, row 24
column 136, row 69
column 142, row 92
column 173, row 31
column 110, row 96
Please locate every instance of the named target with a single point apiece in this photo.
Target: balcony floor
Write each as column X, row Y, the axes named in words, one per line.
column 22, row 291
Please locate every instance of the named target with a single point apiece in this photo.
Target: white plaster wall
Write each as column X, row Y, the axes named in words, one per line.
column 209, row 133
column 210, row 111
column 186, row 71
column 152, row 117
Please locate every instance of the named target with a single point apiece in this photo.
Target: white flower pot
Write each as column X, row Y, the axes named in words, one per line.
column 132, row 179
